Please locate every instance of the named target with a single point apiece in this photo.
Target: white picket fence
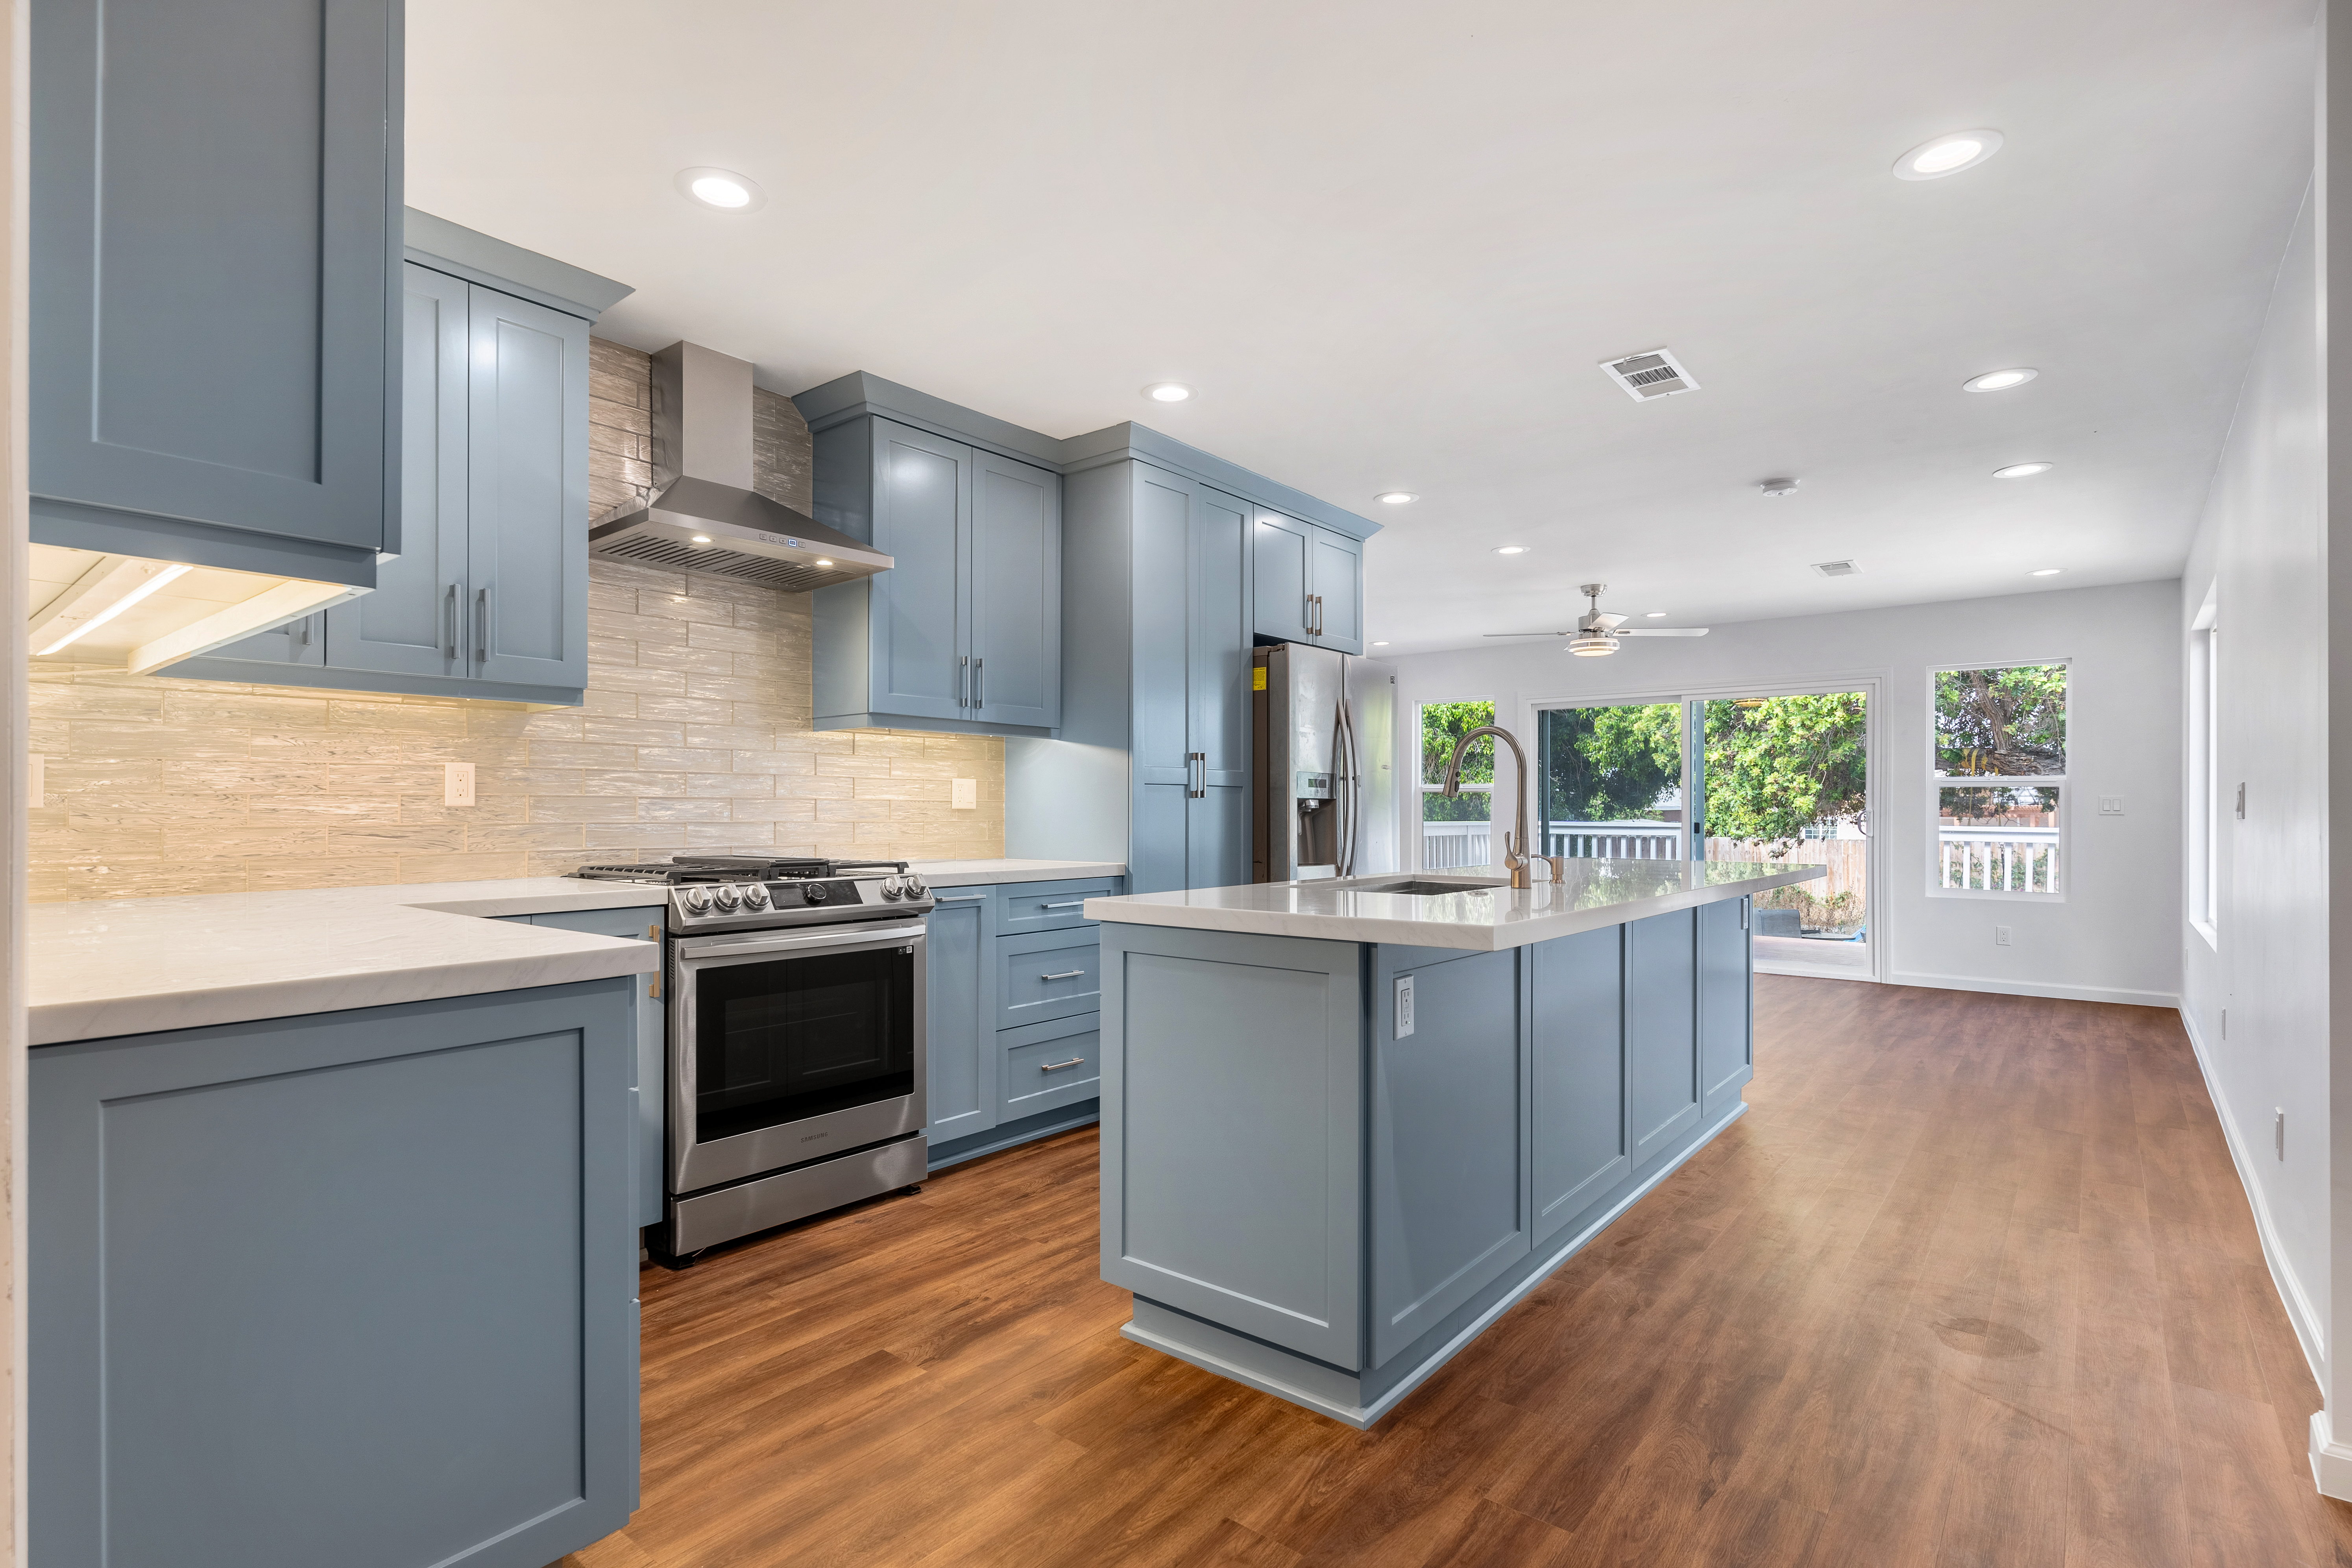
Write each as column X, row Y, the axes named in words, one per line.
column 2000, row 860
column 1448, row 845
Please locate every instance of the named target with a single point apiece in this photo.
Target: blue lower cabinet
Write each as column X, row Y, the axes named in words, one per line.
column 1048, row 975
column 651, row 1085
column 1050, row 1065
column 1727, row 1043
column 355, row 1288
column 1049, row 905
column 960, row 1016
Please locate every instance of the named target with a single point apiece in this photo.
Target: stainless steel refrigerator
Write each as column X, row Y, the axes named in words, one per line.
column 1323, row 800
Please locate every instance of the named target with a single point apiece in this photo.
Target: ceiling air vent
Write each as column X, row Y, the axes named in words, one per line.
column 1836, row 568
column 1656, row 373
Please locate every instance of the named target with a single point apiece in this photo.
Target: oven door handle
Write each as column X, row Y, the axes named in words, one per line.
column 897, row 933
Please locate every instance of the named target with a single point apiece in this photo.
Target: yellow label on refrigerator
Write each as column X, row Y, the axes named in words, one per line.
column 1258, row 677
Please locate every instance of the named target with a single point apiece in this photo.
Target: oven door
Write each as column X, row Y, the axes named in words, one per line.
column 790, row 1045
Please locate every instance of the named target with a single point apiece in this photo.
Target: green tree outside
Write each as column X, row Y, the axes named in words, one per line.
column 1778, row 766
column 1442, row 725
column 1609, row 764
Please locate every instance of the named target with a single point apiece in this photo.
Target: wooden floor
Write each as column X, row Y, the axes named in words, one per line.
column 1974, row 1283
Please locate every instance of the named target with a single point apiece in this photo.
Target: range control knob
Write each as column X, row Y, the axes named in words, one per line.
column 728, row 897
column 914, row 889
column 755, row 897
column 892, row 888
column 697, row 901
column 815, row 894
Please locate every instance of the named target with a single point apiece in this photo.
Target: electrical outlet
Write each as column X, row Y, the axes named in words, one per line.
column 457, row 783
column 2278, row 1130
column 2001, row 936
column 1403, row 1005
column 963, row 795
column 2111, row 806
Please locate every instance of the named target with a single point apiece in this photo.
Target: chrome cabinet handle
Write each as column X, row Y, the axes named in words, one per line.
column 1071, row 904
column 481, row 625
column 1066, row 974
column 450, row 632
column 979, row 683
column 1057, row 1066
column 961, row 898
column 963, row 681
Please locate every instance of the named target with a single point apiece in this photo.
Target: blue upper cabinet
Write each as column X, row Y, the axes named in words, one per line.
column 216, row 240
column 489, row 596
column 1310, row 584
column 963, row 634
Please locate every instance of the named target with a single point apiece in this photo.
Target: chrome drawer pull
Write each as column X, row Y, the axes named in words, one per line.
column 961, row 898
column 1073, row 904
column 1057, row 1066
column 1066, row 974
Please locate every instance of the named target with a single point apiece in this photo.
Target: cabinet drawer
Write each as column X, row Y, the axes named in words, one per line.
column 1048, row 906
column 1050, row 1065
column 1048, row 975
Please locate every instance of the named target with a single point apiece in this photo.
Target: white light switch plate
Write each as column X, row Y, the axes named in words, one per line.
column 1403, row 1005
column 458, row 784
column 2001, row 936
column 963, row 795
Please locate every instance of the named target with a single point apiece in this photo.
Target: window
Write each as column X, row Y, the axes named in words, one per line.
column 1456, row 832
column 1997, row 784
column 2204, row 774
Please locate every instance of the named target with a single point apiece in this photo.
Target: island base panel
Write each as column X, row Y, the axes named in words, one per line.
column 1360, row 1399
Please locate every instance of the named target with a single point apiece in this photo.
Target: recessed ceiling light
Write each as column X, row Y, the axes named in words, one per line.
column 1510, row 549
column 702, row 539
column 722, row 188
column 1653, row 614
column 1947, row 154
column 1397, row 497
column 2001, row 380
column 2021, row 470
column 2046, row 571
column 1168, row 392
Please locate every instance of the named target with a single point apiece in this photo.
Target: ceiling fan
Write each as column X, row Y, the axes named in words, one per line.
column 1596, row 633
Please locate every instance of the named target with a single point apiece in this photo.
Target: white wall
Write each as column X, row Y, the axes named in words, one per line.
column 2115, row 936
column 2260, row 552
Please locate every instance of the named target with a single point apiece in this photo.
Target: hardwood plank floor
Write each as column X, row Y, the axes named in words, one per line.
column 1973, row 1284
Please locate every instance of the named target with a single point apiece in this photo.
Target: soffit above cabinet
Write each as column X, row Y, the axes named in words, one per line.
column 193, row 610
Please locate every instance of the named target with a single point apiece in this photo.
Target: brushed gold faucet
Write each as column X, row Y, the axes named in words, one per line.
column 1515, row 858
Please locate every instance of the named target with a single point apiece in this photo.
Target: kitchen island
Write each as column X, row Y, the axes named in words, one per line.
column 1346, row 1124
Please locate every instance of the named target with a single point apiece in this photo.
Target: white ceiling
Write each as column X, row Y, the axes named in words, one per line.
column 1389, row 242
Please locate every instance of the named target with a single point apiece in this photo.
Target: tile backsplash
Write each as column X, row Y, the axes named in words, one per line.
column 695, row 735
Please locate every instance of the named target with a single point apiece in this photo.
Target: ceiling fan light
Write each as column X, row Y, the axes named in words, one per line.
column 1592, row 644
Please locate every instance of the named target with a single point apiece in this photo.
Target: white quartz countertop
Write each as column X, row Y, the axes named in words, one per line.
column 1597, row 893
column 135, row 966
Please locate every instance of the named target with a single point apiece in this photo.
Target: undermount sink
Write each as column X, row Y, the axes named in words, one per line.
column 1423, row 887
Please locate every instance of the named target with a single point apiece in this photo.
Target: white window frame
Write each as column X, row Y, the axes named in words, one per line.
column 2204, row 814
column 1425, row 790
column 2062, row 782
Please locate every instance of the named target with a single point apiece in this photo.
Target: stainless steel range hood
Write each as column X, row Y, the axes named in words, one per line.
column 704, row 515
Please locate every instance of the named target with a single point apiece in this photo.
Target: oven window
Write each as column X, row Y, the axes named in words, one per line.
column 784, row 1039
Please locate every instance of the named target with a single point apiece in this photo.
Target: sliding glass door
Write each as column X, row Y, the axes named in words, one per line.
column 1781, row 779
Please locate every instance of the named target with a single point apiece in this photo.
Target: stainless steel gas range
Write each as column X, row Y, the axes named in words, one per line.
column 795, row 1051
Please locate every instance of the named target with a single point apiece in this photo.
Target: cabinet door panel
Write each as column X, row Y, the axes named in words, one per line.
column 414, row 622
column 1281, row 544
column 1016, row 592
column 1338, row 586
column 1448, row 1211
column 960, row 1016
column 1217, row 847
column 212, row 320
column 1048, row 975
column 1160, row 744
column 1581, row 1146
column 922, row 508
column 1052, row 1064
column 1724, row 1037
column 527, row 490
column 1660, row 983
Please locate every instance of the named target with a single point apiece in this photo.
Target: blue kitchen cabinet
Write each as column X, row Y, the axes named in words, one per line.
column 1725, row 1001
column 1052, row 1064
column 1311, row 585
column 1661, row 1006
column 650, row 1088
column 357, row 1287
column 963, row 632
column 215, row 316
column 960, row 1076
column 1048, row 975
column 489, row 596
column 1581, row 1148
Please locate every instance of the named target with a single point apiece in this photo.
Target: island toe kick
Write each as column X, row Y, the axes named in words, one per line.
column 1328, row 1165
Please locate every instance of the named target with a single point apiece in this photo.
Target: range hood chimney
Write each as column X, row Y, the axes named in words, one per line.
column 704, row 515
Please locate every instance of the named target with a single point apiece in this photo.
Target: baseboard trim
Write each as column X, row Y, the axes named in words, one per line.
column 2114, row 993
column 2300, row 1312
column 2331, row 1462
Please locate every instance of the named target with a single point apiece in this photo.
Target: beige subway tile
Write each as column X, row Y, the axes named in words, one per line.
column 203, row 843
column 733, row 688
column 730, row 737
column 890, row 786
column 839, row 811
column 595, row 704
column 638, row 733
column 427, row 810
column 243, row 710
column 332, row 871
column 649, row 632
column 527, row 780
column 511, row 724
column 687, row 709
column 47, row 698
column 854, row 765
column 92, row 810
column 693, row 609
column 579, row 808
column 580, row 755
column 91, row 739
column 616, row 599
column 651, row 680
column 377, row 838
column 724, row 637
column 603, row 653
column 154, row 879
column 532, row 836
column 729, row 838
column 389, row 778
column 647, row 839
column 68, row 775
column 682, row 759
column 783, row 808
column 322, row 810
column 650, row 810
column 431, row 720
column 560, row 863
column 739, row 786
column 695, row 663
column 634, row 783
column 774, row 763
column 459, row 868
column 635, row 574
